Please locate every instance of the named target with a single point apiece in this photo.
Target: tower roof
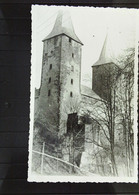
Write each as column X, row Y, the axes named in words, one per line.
column 106, row 54
column 63, row 25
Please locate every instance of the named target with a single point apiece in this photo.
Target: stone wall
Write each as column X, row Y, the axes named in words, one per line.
column 48, row 106
column 70, row 76
column 102, row 79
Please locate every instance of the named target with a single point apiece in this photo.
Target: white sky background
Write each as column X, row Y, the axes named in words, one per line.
column 90, row 25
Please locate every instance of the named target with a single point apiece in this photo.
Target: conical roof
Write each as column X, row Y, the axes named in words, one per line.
column 63, row 25
column 106, row 53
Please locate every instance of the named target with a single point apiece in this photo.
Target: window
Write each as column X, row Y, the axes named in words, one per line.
column 50, row 66
column 72, row 81
column 71, row 95
column 49, row 92
column 72, row 55
column 45, row 56
column 49, row 80
column 69, row 40
column 72, row 68
column 51, row 52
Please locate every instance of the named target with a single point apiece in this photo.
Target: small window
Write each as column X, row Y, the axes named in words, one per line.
column 72, row 68
column 71, row 95
column 49, row 80
column 72, row 81
column 45, row 55
column 49, row 92
column 50, row 66
column 51, row 52
column 72, row 55
column 69, row 40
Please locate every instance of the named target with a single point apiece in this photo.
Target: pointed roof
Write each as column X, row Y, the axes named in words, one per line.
column 106, row 54
column 63, row 25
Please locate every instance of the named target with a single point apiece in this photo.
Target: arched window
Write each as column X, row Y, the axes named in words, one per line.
column 71, row 94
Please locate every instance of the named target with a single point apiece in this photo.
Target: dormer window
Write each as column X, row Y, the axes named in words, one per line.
column 50, row 67
column 71, row 94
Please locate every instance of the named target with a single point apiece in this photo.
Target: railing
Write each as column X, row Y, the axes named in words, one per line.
column 48, row 164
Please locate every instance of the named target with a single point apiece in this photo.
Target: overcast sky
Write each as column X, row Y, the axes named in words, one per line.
column 91, row 25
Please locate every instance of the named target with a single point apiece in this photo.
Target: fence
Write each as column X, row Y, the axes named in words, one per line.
column 47, row 164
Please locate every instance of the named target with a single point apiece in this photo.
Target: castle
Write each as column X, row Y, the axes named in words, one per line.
column 62, row 103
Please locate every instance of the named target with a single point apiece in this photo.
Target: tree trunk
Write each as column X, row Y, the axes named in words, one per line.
column 114, row 167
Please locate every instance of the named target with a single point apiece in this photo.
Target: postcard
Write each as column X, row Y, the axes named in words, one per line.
column 83, row 104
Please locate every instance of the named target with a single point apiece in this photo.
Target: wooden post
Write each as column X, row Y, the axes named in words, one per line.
column 57, row 161
column 42, row 158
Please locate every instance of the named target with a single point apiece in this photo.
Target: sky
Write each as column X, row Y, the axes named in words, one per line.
column 91, row 26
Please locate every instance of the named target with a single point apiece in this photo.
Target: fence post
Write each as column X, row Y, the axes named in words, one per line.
column 42, row 158
column 57, row 160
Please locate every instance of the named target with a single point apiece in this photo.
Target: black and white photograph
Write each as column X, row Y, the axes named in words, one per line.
column 83, row 98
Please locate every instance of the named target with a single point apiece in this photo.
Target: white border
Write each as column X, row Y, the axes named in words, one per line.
column 38, row 178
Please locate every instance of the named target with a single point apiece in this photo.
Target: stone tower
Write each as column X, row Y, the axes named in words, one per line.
column 61, row 72
column 103, row 71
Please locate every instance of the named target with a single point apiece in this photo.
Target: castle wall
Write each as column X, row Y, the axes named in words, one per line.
column 64, row 87
column 48, row 106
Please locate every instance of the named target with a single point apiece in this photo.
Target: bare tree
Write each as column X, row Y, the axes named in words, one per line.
column 125, row 95
column 113, row 115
